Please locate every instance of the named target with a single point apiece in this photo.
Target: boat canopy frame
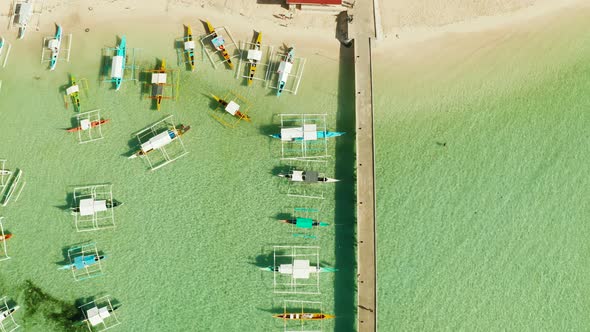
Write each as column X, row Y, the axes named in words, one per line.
column 308, row 146
column 3, row 247
column 170, row 152
column 79, row 253
column 110, row 52
column 96, row 216
column 16, row 17
column 294, row 77
column 226, row 119
column 230, row 46
column 11, row 184
column 290, row 283
column 302, row 307
column 8, row 324
column 263, row 65
column 90, row 134
column 46, row 51
column 99, row 314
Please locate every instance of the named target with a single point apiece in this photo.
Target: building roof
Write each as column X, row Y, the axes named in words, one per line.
column 314, row 2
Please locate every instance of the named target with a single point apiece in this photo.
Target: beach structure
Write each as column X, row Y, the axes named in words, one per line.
column 187, row 51
column 73, row 92
column 304, row 137
column 230, row 113
column 306, row 183
column 52, row 48
column 99, row 314
column 3, row 239
column 286, row 71
column 23, row 13
column 254, row 60
column 159, row 84
column 93, row 207
column 11, row 184
column 120, row 57
column 304, row 222
column 162, row 136
column 7, row 322
column 5, row 48
column 215, row 44
column 296, row 269
column 85, row 262
column 300, row 315
column 89, row 126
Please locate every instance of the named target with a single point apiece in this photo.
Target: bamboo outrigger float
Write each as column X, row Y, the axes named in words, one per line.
column 254, row 56
column 219, row 44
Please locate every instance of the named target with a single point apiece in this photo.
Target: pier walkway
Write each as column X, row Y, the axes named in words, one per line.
column 364, row 27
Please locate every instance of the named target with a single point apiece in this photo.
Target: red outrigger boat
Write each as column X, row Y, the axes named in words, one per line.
column 92, row 125
column 5, row 237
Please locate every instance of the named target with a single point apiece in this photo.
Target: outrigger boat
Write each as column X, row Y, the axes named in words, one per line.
column 307, row 177
column 54, row 45
column 159, row 141
column 218, row 42
column 304, row 222
column 297, row 266
column 74, row 92
column 158, row 82
column 101, row 205
column 4, row 314
column 320, row 134
column 189, row 47
column 5, row 237
column 81, row 262
column 304, row 316
column 24, row 15
column 4, row 172
column 118, row 64
column 86, row 124
column 232, row 108
column 254, row 56
column 285, row 69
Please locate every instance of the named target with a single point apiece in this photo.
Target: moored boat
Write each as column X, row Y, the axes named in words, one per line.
column 304, row 316
column 85, row 125
column 307, row 177
column 5, row 237
column 189, row 47
column 118, row 64
column 54, row 45
column 161, row 140
column 158, row 83
column 232, row 108
column 285, row 69
column 320, row 134
column 81, row 262
column 254, row 56
column 219, row 44
column 4, row 314
column 74, row 92
column 24, row 15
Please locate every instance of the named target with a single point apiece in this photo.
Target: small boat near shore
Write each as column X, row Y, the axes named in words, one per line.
column 82, row 262
column 307, row 177
column 284, row 70
column 219, row 44
column 54, row 46
column 232, row 108
column 189, row 47
column 161, row 140
column 8, row 312
column 118, row 64
column 304, row 316
column 254, row 56
column 85, row 125
column 74, row 92
column 5, row 237
column 320, row 134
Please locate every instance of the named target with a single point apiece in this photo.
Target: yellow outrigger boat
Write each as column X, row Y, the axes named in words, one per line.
column 74, row 92
column 218, row 42
column 233, row 111
column 158, row 83
column 254, row 61
column 189, row 47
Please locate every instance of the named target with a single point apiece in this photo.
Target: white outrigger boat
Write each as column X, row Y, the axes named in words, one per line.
column 161, row 140
column 307, row 177
column 284, row 70
column 4, row 172
column 6, row 313
column 54, row 45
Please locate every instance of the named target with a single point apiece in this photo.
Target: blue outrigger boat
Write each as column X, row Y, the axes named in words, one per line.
column 54, row 46
column 285, row 69
column 81, row 262
column 320, row 134
column 118, row 64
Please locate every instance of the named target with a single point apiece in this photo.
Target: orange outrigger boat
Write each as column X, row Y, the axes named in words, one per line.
column 218, row 42
column 92, row 125
column 5, row 237
column 304, row 316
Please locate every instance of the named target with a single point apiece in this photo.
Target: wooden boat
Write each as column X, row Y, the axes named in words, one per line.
column 255, row 58
column 285, row 69
column 161, row 140
column 158, row 83
column 304, row 316
column 189, row 47
column 307, row 177
column 25, row 11
column 237, row 114
column 92, row 125
column 4, row 314
column 54, row 45
column 74, row 92
column 5, row 237
column 82, row 262
column 218, row 42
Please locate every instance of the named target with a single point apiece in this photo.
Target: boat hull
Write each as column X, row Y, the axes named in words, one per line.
column 92, row 125
column 304, row 316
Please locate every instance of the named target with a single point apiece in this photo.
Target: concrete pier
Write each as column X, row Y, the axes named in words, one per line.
column 363, row 28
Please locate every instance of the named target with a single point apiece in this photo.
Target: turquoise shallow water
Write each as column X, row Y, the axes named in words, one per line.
column 188, row 236
column 482, row 163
